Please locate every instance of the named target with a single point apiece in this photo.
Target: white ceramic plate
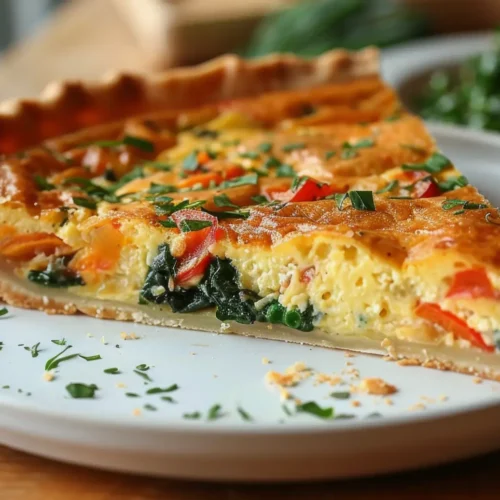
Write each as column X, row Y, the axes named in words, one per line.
column 408, row 60
column 227, row 370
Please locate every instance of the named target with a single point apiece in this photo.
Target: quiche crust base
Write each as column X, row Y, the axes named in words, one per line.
column 444, row 358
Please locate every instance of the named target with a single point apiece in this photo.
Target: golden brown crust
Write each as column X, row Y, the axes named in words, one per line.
column 68, row 106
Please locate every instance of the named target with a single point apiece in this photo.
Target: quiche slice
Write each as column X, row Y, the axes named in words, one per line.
column 280, row 198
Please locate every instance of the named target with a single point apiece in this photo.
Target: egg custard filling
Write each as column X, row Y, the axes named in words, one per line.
column 313, row 210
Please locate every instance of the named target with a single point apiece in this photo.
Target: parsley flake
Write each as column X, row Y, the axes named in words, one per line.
column 145, row 376
column 34, row 350
column 244, row 414
column 187, row 226
column 90, row 358
column 159, row 390
column 222, row 200
column 59, row 342
column 265, row 147
column 42, row 183
column 54, row 362
column 316, row 410
column 192, row 416
column 341, row 395
column 81, row 391
column 389, row 187
column 293, row 146
column 112, row 371
column 435, row 164
column 214, row 412
column 4, row 311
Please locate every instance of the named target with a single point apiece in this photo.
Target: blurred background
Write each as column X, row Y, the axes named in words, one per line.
column 45, row 40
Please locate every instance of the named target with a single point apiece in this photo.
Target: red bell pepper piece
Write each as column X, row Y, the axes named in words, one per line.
column 471, row 284
column 451, row 323
column 426, row 189
column 196, row 257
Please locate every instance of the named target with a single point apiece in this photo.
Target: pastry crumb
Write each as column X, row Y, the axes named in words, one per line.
column 121, row 385
column 322, row 378
column 136, row 412
column 348, row 354
column 443, row 397
column 90, row 336
column 128, row 336
column 409, row 362
column 477, row 380
column 48, row 376
column 377, row 386
column 266, row 361
column 224, row 327
column 388, row 401
column 417, row 406
column 356, row 403
column 284, row 394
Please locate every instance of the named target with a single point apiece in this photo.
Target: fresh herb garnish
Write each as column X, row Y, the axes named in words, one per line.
column 85, row 202
column 168, row 399
column 90, row 358
column 132, row 395
column 244, row 414
column 293, row 146
column 215, row 412
column 241, row 214
column 142, row 367
column 389, row 187
column 128, row 140
column 4, row 311
column 344, row 416
column 351, row 150
column 192, row 416
column 464, row 204
column 205, row 133
column 285, row 170
column 452, row 183
column 112, row 371
column 244, row 180
column 435, row 164
column 145, row 376
column 150, row 407
column 330, row 154
column 81, row 391
column 272, row 162
column 187, row 226
column 34, row 350
column 265, row 147
column 159, row 390
column 158, row 165
column 222, row 200
column 362, row 200
column 251, row 155
column 316, row 410
column 161, row 188
column 54, row 362
column 259, row 199
column 42, row 183
column 341, row 395
column 59, row 342
column 164, row 206
column 286, row 410
column 190, row 163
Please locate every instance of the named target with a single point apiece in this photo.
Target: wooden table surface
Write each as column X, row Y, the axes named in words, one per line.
column 84, row 40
